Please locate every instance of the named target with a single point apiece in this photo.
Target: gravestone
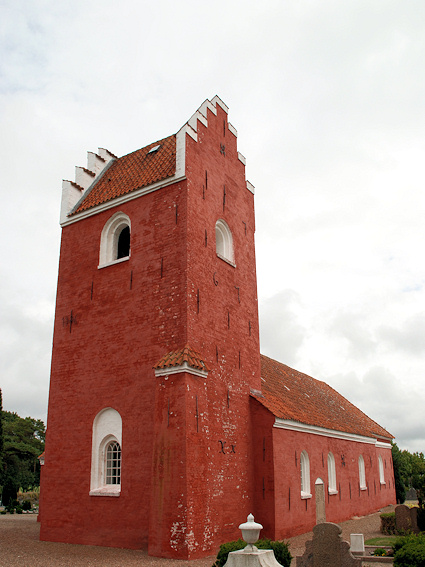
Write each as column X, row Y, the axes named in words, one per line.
column 402, row 518
column 319, row 488
column 411, row 494
column 327, row 549
column 406, row 519
column 357, row 543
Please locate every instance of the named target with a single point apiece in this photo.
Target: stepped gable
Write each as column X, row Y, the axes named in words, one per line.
column 179, row 357
column 295, row 396
column 141, row 168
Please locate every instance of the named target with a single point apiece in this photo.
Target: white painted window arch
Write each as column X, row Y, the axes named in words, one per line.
column 224, row 241
column 362, row 474
column 381, row 470
column 305, row 475
column 105, row 478
column 115, row 240
column 331, row 474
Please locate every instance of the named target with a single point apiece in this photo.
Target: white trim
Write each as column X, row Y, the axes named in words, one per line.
column 217, row 100
column 382, row 445
column 232, row 129
column 241, row 158
column 226, row 260
column 315, row 430
column 181, row 368
column 123, row 199
column 304, row 495
column 250, row 187
column 110, row 490
column 125, row 259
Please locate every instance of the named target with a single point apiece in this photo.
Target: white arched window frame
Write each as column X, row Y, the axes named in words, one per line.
column 105, row 477
column 305, row 475
column 109, row 239
column 224, row 242
column 381, row 470
column 331, row 475
column 362, row 474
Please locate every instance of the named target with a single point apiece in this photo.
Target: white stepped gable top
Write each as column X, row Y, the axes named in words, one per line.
column 84, row 178
column 201, row 115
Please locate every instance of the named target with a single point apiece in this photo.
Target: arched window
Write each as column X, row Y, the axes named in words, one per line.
column 362, row 474
column 113, row 463
column 305, row 475
column 381, row 470
column 331, row 474
column 105, row 478
column 115, row 240
column 224, row 241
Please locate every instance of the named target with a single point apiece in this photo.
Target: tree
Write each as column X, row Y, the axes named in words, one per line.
column 1, row 433
column 401, row 473
column 23, row 442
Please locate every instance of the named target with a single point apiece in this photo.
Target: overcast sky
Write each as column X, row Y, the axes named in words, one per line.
column 328, row 99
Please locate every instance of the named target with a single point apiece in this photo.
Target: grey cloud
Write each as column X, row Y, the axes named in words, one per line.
column 389, row 401
column 409, row 338
column 281, row 335
column 353, row 330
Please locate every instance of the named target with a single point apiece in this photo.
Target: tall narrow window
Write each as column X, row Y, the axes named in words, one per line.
column 305, row 475
column 362, row 474
column 105, row 478
column 113, row 463
column 224, row 241
column 331, row 474
column 381, row 470
column 115, row 240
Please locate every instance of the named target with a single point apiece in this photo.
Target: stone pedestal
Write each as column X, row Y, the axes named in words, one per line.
column 255, row 558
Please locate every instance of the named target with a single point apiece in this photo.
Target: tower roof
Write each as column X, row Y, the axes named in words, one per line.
column 136, row 170
column 292, row 395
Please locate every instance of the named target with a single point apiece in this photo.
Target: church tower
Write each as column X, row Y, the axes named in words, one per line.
column 156, row 347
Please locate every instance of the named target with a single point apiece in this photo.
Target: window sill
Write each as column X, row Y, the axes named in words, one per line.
column 125, row 259
column 106, row 491
column 305, row 495
column 383, row 483
column 226, row 260
column 363, row 488
column 331, row 492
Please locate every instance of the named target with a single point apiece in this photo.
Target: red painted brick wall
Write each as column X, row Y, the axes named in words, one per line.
column 185, row 485
column 289, row 513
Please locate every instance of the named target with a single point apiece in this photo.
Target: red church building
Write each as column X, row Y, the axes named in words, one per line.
column 166, row 427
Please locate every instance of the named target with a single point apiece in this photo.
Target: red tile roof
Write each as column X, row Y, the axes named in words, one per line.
column 292, row 395
column 178, row 357
column 133, row 171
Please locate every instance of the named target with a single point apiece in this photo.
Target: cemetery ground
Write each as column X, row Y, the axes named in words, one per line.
column 20, row 547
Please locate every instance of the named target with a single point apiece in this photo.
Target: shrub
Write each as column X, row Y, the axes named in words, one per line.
column 410, row 555
column 409, row 551
column 18, row 509
column 26, row 505
column 280, row 549
column 380, row 552
column 10, row 491
column 388, row 523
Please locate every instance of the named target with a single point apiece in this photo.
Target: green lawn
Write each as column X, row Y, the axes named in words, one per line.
column 384, row 540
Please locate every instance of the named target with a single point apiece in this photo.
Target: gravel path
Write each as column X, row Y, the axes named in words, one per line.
column 20, row 547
